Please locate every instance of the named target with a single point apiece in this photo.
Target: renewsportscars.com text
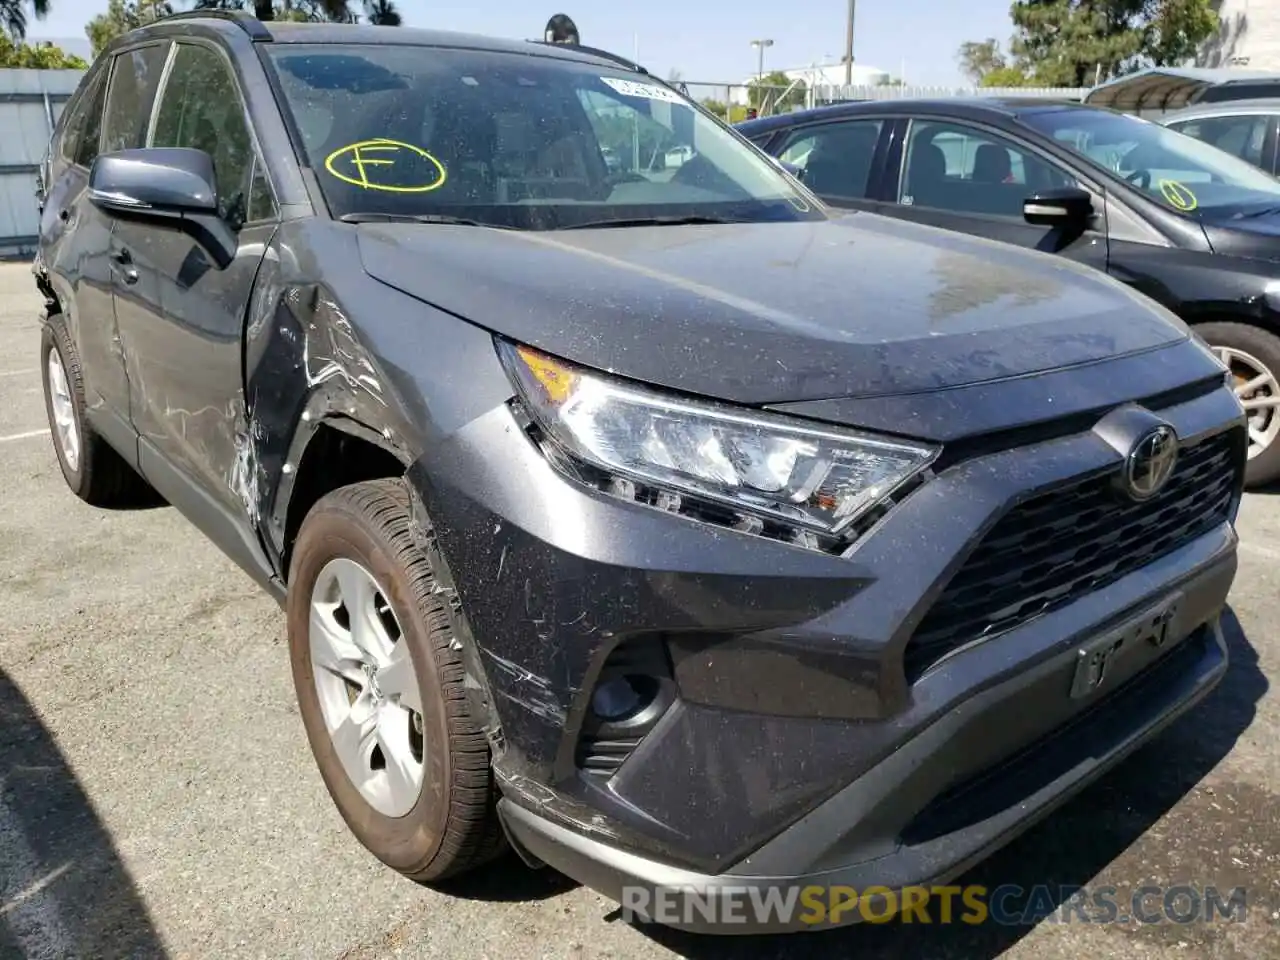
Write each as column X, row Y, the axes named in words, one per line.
column 1007, row 905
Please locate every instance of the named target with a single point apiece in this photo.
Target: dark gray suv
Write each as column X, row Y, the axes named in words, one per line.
column 639, row 513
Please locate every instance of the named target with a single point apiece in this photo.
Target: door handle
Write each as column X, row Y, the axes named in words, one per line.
column 125, row 259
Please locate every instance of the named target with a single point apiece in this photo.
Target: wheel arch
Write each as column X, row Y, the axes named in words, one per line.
column 333, row 452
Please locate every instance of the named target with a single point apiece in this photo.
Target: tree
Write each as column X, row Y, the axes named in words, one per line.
column 1006, row 77
column 42, row 56
column 773, row 91
column 382, row 13
column 121, row 17
column 981, row 57
column 13, row 16
column 1074, row 43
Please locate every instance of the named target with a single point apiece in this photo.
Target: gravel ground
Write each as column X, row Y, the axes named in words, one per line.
column 157, row 797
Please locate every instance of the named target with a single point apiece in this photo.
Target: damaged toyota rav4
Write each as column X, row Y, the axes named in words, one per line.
column 637, row 513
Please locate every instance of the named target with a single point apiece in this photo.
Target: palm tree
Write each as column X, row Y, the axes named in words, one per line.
column 13, row 16
column 382, row 12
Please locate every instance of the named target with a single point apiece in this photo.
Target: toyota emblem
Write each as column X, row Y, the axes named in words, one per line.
column 1150, row 463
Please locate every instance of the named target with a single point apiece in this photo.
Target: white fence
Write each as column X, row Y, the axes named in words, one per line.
column 30, row 103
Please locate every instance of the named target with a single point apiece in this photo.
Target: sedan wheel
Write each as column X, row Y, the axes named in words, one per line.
column 1252, row 357
column 367, row 688
column 1259, row 392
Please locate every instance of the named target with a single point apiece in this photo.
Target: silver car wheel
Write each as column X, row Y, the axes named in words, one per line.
column 367, row 688
column 65, row 428
column 1259, row 392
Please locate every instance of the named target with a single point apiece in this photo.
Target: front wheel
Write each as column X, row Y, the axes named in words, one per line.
column 380, row 688
column 1253, row 357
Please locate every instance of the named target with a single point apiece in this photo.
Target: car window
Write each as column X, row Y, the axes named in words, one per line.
column 955, row 167
column 834, row 159
column 201, row 108
column 79, row 143
column 1242, row 136
column 1178, row 171
column 518, row 141
column 135, row 76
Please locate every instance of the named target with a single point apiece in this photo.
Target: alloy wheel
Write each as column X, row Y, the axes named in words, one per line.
column 1258, row 391
column 368, row 691
column 65, row 428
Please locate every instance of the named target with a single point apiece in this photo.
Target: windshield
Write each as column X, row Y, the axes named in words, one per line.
column 1180, row 172
column 517, row 141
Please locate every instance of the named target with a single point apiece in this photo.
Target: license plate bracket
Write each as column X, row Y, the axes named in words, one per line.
column 1095, row 658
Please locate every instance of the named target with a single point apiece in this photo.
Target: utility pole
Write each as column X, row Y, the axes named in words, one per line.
column 848, row 46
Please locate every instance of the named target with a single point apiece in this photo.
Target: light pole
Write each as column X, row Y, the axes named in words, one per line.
column 848, row 45
column 760, row 47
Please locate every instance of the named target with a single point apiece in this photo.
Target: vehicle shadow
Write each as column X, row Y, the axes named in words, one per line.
column 64, row 891
column 1069, row 849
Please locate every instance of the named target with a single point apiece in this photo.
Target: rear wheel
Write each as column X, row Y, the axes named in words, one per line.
column 380, row 688
column 92, row 469
column 1253, row 357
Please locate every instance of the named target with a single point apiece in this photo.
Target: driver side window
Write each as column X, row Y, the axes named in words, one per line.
column 962, row 169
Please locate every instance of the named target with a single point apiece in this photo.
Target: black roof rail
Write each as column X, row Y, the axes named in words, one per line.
column 246, row 21
column 597, row 52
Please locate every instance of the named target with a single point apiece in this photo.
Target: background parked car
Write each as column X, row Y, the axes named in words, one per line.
column 1243, row 128
column 1185, row 223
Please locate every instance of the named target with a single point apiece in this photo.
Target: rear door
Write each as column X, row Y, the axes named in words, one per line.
column 75, row 243
column 966, row 176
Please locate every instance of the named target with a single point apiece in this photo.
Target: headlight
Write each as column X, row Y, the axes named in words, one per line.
column 765, row 466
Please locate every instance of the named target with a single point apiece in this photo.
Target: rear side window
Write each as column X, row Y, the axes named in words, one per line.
column 834, row 160
column 201, row 108
column 75, row 114
column 1243, row 136
column 135, row 77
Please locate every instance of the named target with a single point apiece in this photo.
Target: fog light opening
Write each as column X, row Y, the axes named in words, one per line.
column 621, row 698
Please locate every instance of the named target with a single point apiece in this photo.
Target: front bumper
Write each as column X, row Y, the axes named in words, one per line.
column 955, row 831
column 796, row 745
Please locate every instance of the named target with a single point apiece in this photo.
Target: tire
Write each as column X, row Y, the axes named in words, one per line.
column 1250, row 351
column 450, row 825
column 95, row 472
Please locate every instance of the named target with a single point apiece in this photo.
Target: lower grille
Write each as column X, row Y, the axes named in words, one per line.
column 1056, row 547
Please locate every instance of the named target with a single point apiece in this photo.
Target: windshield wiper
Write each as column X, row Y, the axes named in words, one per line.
column 1264, row 212
column 417, row 218
column 651, row 222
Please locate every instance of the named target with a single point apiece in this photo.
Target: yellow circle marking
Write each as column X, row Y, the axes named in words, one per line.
column 369, row 155
column 1179, row 195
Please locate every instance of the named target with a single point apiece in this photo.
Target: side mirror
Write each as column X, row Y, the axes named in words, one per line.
column 172, row 186
column 1064, row 206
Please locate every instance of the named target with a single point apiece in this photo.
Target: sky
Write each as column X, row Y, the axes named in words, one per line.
column 708, row 40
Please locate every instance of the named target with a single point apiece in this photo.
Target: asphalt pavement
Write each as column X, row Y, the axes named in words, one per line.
column 157, row 797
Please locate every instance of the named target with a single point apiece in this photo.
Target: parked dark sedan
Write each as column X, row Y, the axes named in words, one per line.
column 1187, row 224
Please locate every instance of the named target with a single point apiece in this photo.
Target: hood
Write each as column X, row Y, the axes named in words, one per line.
column 773, row 312
column 1257, row 237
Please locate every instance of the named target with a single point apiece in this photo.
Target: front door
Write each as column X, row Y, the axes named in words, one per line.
column 967, row 178
column 182, row 319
